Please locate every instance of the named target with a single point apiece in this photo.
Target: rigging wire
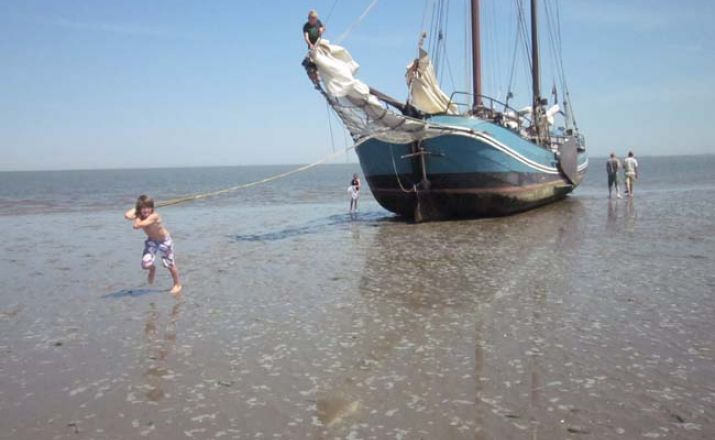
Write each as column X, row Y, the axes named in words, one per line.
column 443, row 36
column 553, row 16
column 498, row 53
column 437, row 44
column 567, row 94
column 330, row 14
column 424, row 17
column 490, row 39
column 523, row 31
column 553, row 44
column 467, row 55
column 359, row 20
column 330, row 125
column 552, row 47
column 431, row 33
column 449, row 71
column 522, row 37
column 345, row 143
column 436, row 35
column 446, row 54
column 514, row 59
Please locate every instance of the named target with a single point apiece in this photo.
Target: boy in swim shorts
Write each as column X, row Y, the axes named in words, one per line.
column 158, row 240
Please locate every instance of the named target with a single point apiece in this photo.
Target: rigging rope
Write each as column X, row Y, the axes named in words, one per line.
column 330, row 125
column 397, row 175
column 424, row 17
column 524, row 32
column 359, row 20
column 199, row 196
column 330, row 14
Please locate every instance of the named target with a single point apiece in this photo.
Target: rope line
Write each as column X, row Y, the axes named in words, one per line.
column 330, row 126
column 362, row 16
column 397, row 175
column 199, row 196
column 332, row 9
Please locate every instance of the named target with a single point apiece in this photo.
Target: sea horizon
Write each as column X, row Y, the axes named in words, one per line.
column 351, row 162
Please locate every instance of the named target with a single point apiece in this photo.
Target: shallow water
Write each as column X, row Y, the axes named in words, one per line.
column 587, row 318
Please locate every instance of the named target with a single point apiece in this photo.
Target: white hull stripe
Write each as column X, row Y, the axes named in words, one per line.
column 500, row 146
column 515, row 155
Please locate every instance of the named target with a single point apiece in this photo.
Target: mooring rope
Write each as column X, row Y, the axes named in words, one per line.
column 199, row 196
column 397, row 175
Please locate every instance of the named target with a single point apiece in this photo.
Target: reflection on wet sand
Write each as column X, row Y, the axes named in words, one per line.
column 159, row 345
column 631, row 213
column 612, row 219
column 621, row 213
column 433, row 341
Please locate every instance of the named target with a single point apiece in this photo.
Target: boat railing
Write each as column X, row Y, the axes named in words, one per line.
column 489, row 107
column 502, row 112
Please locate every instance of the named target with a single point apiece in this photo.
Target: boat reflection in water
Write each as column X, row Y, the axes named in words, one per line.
column 452, row 325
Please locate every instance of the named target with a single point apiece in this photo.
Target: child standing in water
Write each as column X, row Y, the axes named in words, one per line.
column 158, row 239
column 354, row 191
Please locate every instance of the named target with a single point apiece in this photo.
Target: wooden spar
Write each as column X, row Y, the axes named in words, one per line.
column 476, row 56
column 535, row 69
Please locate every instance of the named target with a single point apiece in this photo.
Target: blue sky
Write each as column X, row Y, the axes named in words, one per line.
column 100, row 84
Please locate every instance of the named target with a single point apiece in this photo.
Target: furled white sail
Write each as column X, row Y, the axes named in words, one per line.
column 425, row 93
column 361, row 111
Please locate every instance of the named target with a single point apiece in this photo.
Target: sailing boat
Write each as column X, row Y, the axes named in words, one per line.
column 428, row 160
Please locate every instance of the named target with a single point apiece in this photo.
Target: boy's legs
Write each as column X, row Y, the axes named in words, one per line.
column 148, row 258
column 167, row 259
column 176, row 288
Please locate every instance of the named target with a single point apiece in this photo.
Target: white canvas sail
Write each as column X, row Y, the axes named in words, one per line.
column 361, row 111
column 425, row 93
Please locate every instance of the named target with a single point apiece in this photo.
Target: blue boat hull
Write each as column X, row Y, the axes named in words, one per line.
column 484, row 171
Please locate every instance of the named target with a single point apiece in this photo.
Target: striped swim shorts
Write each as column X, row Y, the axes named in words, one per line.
column 165, row 247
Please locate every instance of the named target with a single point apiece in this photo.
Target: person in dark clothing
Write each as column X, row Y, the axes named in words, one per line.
column 312, row 32
column 613, row 165
column 313, row 29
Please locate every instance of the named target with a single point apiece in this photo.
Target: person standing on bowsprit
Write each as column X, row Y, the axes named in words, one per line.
column 313, row 30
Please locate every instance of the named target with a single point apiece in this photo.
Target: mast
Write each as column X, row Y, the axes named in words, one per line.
column 476, row 56
column 536, row 72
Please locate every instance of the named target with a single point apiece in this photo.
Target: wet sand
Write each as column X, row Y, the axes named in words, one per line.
column 584, row 319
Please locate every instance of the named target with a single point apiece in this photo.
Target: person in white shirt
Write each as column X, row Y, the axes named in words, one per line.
column 630, row 166
column 354, row 191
